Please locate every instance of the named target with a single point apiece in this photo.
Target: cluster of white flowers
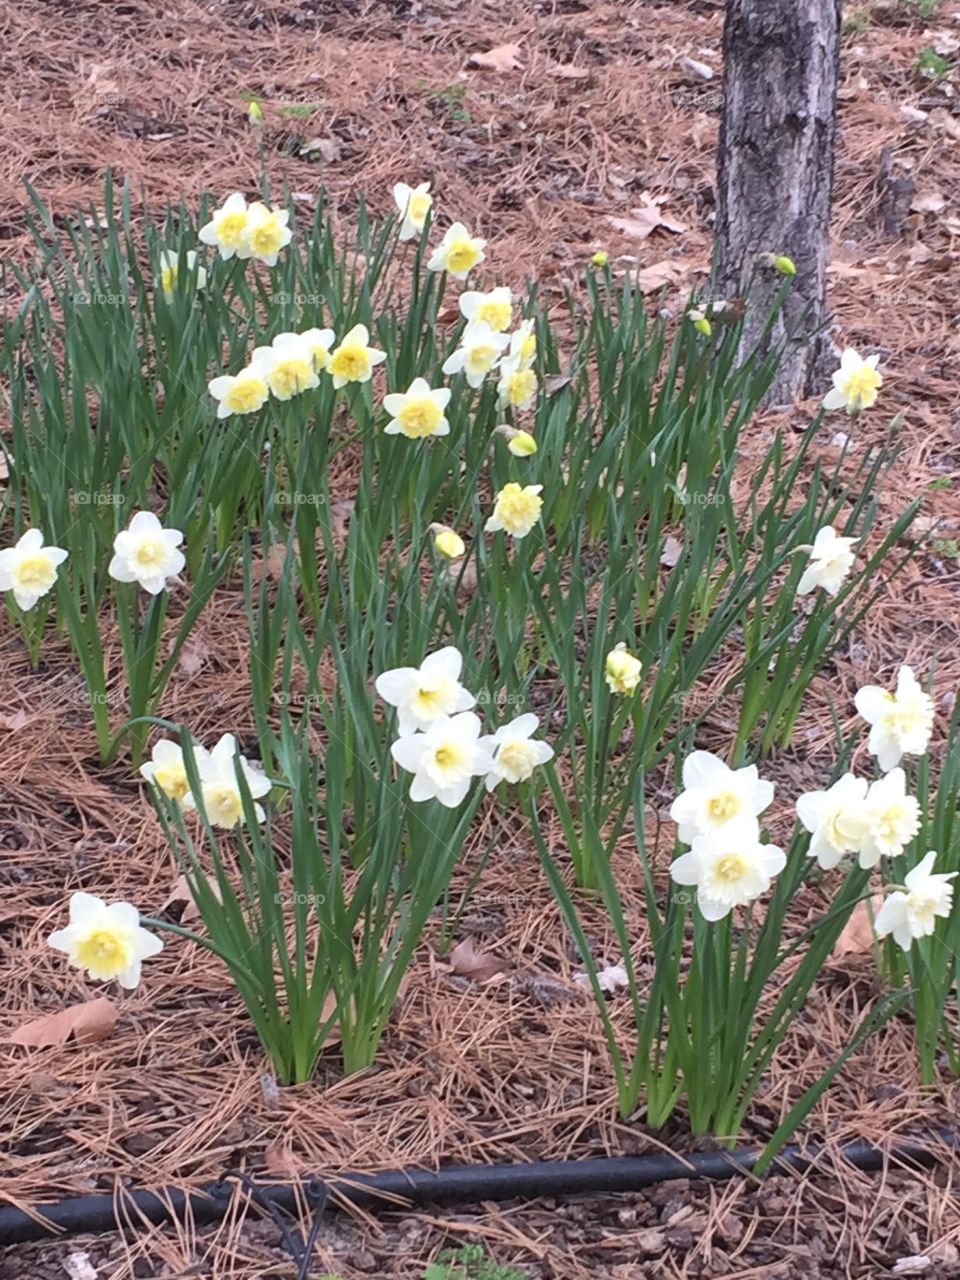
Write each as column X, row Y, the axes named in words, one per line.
column 216, row 770
column 879, row 819
column 717, row 815
column 247, row 231
column 440, row 740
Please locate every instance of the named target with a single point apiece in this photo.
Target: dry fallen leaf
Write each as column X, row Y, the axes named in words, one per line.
column 570, row 73
column 928, row 202
column 85, row 1023
column 672, row 551
column 15, row 721
column 192, row 656
column 659, row 274
column 180, row 892
column 644, row 220
column 466, row 962
column 505, row 57
column 856, row 937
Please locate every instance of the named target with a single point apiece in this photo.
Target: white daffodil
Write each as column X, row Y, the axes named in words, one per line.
column 219, row 789
column 457, row 253
column 914, row 913
column 319, row 342
column 515, row 755
column 425, row 693
column 445, row 759
column 166, row 768
column 414, row 204
column 494, row 308
column 888, row 820
column 480, row 349
column 831, row 559
column 855, row 384
column 105, row 939
column 418, row 411
column 287, row 366
column 170, row 270
column 523, row 344
column 354, row 359
column 245, row 392
column 622, row 671
column 516, row 509
column 267, row 232
column 834, row 818
column 730, row 868
column 715, row 796
column 900, row 723
column 518, row 384
column 147, row 553
column 29, row 569
column 227, row 229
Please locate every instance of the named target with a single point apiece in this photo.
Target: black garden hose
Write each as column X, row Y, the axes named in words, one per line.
column 456, row 1184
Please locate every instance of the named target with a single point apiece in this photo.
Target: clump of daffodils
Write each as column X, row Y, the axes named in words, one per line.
column 831, row 559
column 29, row 569
column 855, row 384
column 717, row 815
column 440, row 740
column 247, row 231
column 105, row 939
column 220, row 793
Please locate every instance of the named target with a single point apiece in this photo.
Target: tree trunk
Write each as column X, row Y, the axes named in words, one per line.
column 775, row 172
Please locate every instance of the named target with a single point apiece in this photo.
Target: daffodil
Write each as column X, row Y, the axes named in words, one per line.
column 494, row 308
column 414, row 204
column 267, row 232
column 912, row 912
column 147, row 553
column 700, row 322
column 523, row 345
column 831, row 559
column 855, row 384
column 520, row 443
column 715, row 796
column 170, row 270
column 426, row 693
column 622, row 670
column 287, row 366
column 730, row 868
column 29, row 569
column 219, row 789
column 106, row 940
column 516, row 509
column 418, row 411
column 445, row 759
column 227, row 229
column 245, row 392
column 167, row 770
column 448, row 542
column 834, row 819
column 601, row 258
column 319, row 342
column 517, row 386
column 900, row 723
column 354, row 359
column 515, row 753
column 888, row 820
column 457, row 253
column 480, row 349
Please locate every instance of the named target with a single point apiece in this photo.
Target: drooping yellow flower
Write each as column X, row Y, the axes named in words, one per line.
column 354, row 359
column 622, row 670
column 520, row 443
column 517, row 509
column 457, row 253
column 448, row 542
column 600, row 258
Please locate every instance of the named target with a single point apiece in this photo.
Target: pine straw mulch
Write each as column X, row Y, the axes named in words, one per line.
column 512, row 1067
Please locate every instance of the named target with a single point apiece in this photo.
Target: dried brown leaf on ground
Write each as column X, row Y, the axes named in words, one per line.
column 505, row 57
column 85, row 1023
column 857, row 936
column 467, row 962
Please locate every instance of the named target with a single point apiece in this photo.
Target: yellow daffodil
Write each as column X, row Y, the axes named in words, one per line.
column 414, row 204
column 444, row 759
column 622, row 670
column 855, row 384
column 267, row 232
column 319, row 342
column 244, row 393
column 287, row 366
column 520, row 443
column 448, row 542
column 255, row 112
column 106, row 940
column 29, row 569
column 600, row 258
column 418, row 411
column 227, row 229
column 146, row 553
column 523, row 345
column 728, row 870
column 169, row 270
column 457, row 253
column 426, row 693
column 166, row 768
column 494, row 308
column 517, row 386
column 354, row 359
column 480, row 349
column 516, row 510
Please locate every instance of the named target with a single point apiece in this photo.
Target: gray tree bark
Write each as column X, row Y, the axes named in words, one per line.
column 775, row 171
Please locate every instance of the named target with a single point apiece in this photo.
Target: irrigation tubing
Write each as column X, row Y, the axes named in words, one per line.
column 457, row 1184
